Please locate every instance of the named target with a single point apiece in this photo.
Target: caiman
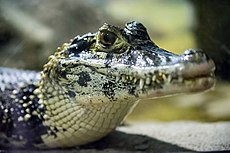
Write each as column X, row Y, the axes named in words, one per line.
column 90, row 84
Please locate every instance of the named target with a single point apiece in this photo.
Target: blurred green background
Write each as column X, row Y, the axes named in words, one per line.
column 31, row 30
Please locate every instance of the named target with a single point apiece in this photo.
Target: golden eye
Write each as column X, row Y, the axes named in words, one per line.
column 107, row 38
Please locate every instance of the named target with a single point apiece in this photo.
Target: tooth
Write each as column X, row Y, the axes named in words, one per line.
column 147, row 81
column 164, row 77
column 123, row 77
column 130, row 77
column 127, row 77
column 154, row 78
column 141, row 83
column 135, row 80
column 117, row 78
column 158, row 81
column 169, row 78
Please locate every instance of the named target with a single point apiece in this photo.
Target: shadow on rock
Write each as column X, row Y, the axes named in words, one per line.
column 132, row 142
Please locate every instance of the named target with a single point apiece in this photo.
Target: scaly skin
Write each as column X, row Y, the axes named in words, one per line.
column 90, row 84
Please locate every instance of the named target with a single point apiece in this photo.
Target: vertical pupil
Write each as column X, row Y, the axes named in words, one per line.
column 107, row 37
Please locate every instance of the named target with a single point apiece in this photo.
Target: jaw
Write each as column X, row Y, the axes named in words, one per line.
column 151, row 82
column 196, row 85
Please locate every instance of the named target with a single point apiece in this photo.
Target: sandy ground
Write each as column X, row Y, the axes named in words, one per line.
column 182, row 136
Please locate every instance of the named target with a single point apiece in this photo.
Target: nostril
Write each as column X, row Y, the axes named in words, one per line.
column 193, row 55
column 191, row 52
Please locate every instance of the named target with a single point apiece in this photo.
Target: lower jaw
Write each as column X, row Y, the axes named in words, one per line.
column 195, row 85
column 200, row 84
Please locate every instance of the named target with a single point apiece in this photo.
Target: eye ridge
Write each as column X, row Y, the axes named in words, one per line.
column 107, row 38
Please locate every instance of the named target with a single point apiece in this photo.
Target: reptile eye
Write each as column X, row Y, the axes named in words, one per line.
column 107, row 38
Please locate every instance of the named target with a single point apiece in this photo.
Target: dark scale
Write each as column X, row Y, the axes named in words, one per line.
column 84, row 77
column 20, row 114
column 108, row 89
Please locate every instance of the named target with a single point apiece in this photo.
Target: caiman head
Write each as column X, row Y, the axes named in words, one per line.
column 123, row 64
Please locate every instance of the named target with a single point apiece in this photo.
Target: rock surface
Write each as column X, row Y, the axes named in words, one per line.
column 182, row 136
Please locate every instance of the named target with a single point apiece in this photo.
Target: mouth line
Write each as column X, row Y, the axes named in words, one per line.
column 190, row 73
column 209, row 75
column 161, row 79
